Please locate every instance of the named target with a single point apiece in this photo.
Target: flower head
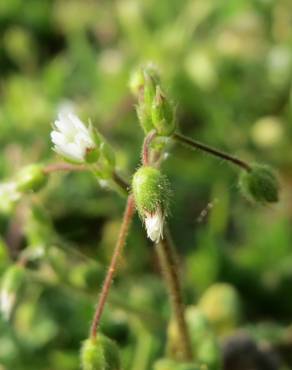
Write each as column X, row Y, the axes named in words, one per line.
column 71, row 138
column 154, row 225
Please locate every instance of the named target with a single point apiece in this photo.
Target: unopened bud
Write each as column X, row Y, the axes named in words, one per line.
column 143, row 84
column 221, row 305
column 168, row 364
column 31, row 178
column 260, row 184
column 100, row 353
column 162, row 114
column 151, row 80
column 151, row 192
column 136, row 82
column 144, row 116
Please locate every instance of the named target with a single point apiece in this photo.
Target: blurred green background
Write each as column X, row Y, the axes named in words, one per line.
column 228, row 67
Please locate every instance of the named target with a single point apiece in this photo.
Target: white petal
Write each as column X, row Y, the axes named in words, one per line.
column 78, row 124
column 64, row 125
column 71, row 137
column 58, row 139
column 84, row 141
column 7, row 301
column 154, row 225
column 71, row 151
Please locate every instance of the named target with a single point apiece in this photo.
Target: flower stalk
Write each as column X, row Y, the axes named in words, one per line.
column 194, row 144
column 170, row 270
column 128, row 215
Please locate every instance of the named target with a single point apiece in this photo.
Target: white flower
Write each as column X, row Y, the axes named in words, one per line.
column 154, row 225
column 9, row 195
column 71, row 138
column 7, row 301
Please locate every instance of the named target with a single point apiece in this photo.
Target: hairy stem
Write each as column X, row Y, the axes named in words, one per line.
column 128, row 215
column 146, row 160
column 57, row 167
column 121, row 182
column 215, row 152
column 168, row 261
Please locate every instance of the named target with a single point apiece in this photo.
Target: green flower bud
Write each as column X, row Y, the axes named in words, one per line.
column 198, row 327
column 162, row 114
column 151, row 192
column 221, row 305
column 11, row 283
column 136, row 82
column 31, row 178
column 151, row 80
column 144, row 117
column 100, row 353
column 208, row 352
column 143, row 83
column 168, row 364
column 260, row 184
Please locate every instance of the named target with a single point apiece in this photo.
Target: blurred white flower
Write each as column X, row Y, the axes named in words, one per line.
column 71, row 138
column 9, row 195
column 154, row 225
column 7, row 301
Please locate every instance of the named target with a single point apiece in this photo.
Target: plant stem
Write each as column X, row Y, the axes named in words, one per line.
column 56, row 167
column 168, row 261
column 215, row 152
column 146, row 148
column 128, row 215
column 122, row 183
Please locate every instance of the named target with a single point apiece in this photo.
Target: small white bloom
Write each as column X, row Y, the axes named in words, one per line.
column 9, row 195
column 7, row 301
column 154, row 225
column 71, row 138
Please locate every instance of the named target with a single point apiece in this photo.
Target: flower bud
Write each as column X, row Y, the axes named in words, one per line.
column 163, row 114
column 144, row 117
column 168, row 364
column 198, row 327
column 143, row 84
column 151, row 192
column 31, row 178
column 260, row 184
column 100, row 353
column 136, row 82
column 151, row 80
column 11, row 283
column 208, row 352
column 221, row 305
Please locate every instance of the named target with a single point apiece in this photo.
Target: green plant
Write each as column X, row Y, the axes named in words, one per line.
column 85, row 149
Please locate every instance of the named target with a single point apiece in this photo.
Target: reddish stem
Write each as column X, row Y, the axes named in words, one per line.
column 146, row 147
column 128, row 215
column 55, row 167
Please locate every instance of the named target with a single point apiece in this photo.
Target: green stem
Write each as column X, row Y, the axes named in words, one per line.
column 122, row 184
column 208, row 149
column 128, row 215
column 168, row 261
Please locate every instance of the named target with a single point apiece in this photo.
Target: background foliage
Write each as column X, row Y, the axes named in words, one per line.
column 228, row 67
